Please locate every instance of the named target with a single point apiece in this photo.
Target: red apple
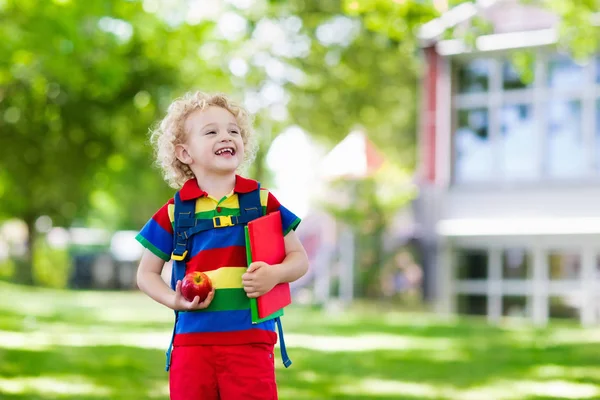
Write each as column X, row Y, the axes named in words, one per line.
column 196, row 284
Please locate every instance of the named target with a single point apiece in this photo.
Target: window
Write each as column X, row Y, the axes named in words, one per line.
column 472, row 264
column 473, row 150
column 563, row 265
column 473, row 76
column 517, row 138
column 565, row 307
column 565, row 147
column 563, row 73
column 516, row 264
column 472, row 304
column 597, row 147
column 515, row 306
column 511, row 129
column 597, row 274
column 511, row 78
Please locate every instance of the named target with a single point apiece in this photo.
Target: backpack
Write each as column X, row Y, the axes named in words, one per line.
column 186, row 225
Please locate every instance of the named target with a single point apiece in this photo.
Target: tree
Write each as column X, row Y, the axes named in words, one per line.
column 351, row 76
column 79, row 85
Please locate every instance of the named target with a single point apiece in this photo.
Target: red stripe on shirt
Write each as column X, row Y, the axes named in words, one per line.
column 208, row 260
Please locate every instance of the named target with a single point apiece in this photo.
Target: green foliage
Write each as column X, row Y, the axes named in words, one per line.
column 353, row 77
column 579, row 30
column 51, row 266
column 7, row 269
column 70, row 73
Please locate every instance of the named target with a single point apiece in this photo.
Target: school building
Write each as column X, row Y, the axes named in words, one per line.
column 509, row 167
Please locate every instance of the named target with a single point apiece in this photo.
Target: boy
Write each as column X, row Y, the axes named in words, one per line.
column 217, row 352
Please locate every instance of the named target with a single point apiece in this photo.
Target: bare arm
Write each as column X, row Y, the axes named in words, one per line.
column 150, row 282
column 295, row 264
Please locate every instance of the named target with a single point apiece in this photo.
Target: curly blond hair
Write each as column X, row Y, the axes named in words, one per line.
column 170, row 132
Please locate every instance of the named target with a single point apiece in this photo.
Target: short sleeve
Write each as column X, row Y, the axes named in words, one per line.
column 289, row 220
column 157, row 233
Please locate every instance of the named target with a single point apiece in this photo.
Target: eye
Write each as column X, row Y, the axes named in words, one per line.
column 235, row 132
column 211, row 133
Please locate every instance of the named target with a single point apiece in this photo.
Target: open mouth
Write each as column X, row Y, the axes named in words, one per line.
column 225, row 151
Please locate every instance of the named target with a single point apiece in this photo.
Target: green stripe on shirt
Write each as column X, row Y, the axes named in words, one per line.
column 155, row 250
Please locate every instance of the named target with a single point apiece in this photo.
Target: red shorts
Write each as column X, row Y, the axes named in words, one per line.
column 223, row 372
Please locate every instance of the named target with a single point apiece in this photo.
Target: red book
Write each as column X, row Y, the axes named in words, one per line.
column 264, row 242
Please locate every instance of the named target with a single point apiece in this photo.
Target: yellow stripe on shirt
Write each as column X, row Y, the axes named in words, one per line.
column 226, row 277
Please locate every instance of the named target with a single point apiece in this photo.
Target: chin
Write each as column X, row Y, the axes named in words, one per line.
column 227, row 170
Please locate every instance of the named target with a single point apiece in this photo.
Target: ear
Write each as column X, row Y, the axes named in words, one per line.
column 182, row 154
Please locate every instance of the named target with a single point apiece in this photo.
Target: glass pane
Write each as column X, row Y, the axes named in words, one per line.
column 563, row 73
column 473, row 150
column 567, row 307
column 471, row 264
column 516, row 264
column 565, row 151
column 597, row 134
column 518, row 141
column 515, row 306
column 563, row 265
column 473, row 76
column 511, row 78
column 597, row 267
column 471, row 304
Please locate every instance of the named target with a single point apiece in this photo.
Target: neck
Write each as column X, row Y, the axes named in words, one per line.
column 216, row 186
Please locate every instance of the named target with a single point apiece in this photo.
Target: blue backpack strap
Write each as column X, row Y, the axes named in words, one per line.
column 250, row 207
column 184, row 219
column 284, row 355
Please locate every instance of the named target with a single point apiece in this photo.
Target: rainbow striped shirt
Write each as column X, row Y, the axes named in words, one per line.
column 221, row 254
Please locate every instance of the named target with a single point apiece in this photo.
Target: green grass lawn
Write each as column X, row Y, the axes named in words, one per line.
column 106, row 345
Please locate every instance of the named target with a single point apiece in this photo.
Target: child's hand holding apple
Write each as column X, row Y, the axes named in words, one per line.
column 195, row 292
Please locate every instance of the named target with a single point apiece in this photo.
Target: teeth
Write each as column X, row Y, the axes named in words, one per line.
column 228, row 150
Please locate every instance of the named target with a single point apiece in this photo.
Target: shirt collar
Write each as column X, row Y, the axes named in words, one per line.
column 191, row 190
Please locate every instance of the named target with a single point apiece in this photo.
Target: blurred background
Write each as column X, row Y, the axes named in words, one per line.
column 444, row 156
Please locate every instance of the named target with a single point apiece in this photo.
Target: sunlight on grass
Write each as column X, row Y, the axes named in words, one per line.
column 517, row 390
column 88, row 305
column 159, row 390
column 43, row 340
column 115, row 342
column 294, row 393
column 499, row 390
column 558, row 371
column 51, row 385
column 383, row 387
column 569, row 335
column 366, row 342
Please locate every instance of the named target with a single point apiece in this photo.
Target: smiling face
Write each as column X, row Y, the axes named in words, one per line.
column 213, row 144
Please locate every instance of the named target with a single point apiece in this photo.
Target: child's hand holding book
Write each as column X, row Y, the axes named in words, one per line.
column 260, row 278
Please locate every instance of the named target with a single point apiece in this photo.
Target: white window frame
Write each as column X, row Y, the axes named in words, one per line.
column 536, row 96
column 537, row 289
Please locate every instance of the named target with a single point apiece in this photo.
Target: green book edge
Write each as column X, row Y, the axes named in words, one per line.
column 253, row 302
